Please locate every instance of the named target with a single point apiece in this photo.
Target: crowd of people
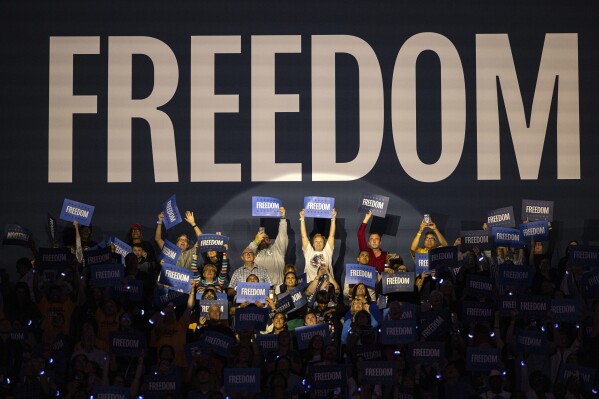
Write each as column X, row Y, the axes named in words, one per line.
column 59, row 332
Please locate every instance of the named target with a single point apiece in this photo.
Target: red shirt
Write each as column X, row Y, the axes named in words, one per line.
column 377, row 262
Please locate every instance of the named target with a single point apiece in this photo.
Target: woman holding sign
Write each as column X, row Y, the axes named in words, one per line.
column 318, row 253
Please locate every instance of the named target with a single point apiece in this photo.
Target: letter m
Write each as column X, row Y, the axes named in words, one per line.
column 495, row 67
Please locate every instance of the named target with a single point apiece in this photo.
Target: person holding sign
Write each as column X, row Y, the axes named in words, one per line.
column 248, row 268
column 378, row 257
column 182, row 241
column 432, row 239
column 271, row 256
column 318, row 253
column 209, row 278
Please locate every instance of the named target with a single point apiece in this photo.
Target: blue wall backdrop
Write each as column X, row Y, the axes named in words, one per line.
column 449, row 108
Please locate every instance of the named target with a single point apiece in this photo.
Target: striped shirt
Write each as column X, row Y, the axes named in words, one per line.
column 242, row 273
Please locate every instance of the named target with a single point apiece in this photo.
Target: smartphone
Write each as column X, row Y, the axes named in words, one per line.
column 261, row 230
column 427, row 218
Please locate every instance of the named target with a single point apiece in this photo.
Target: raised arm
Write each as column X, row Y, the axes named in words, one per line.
column 416, row 240
column 158, row 233
column 305, row 239
column 281, row 241
column 331, row 240
column 442, row 241
column 189, row 218
column 362, row 232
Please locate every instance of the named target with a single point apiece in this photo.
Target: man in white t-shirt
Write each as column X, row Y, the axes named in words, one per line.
column 318, row 253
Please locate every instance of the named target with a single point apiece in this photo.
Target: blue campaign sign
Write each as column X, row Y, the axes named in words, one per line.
column 531, row 341
column 479, row 286
column 131, row 289
column 55, row 256
column 252, row 292
column 477, row 311
column 482, row 359
column 397, row 282
column 220, row 344
column 502, row 217
column 373, row 202
column 583, row 256
column 284, row 304
column 172, row 216
column 126, row 343
column 367, row 352
column 159, row 385
column 538, row 231
column 16, row 235
column 222, row 304
column 434, row 325
column 355, row 274
column 266, row 207
column 532, row 306
column 590, row 283
column 107, row 275
column 408, row 311
column 120, row 247
column 398, row 332
column 52, row 225
column 298, row 296
column 378, row 372
column 251, row 317
column 305, row 334
column 537, row 210
column 421, row 352
column 566, row 310
column 73, row 210
column 241, row 380
column 507, row 237
column 175, row 278
column 421, row 261
column 268, row 342
column 319, row 207
column 212, row 242
column 170, row 252
column 97, row 256
column 193, row 348
column 301, row 281
column 110, row 392
column 163, row 296
column 475, row 239
column 586, row 374
column 515, row 275
column 507, row 304
column 327, row 376
column 443, row 257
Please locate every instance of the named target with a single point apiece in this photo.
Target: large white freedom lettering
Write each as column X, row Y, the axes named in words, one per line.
column 494, row 62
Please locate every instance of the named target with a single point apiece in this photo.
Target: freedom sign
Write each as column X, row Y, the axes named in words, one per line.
column 220, row 344
column 55, row 256
column 509, row 274
column 305, row 334
column 443, row 257
column 212, row 242
column 107, row 275
column 222, row 304
column 319, row 207
column 482, row 359
column 507, row 237
column 130, row 344
column 251, row 292
column 172, row 216
column 97, row 256
column 421, row 352
column 132, row 289
column 475, row 239
column 373, row 202
column 242, row 380
column 16, row 235
column 111, row 392
column 170, row 252
column 355, row 274
column 398, row 332
column 502, row 217
column 397, row 282
column 378, row 372
column 583, row 256
column 120, row 247
column 266, row 207
column 537, row 210
column 73, row 210
column 251, row 317
column 163, row 296
column 537, row 231
column 268, row 342
column 175, row 278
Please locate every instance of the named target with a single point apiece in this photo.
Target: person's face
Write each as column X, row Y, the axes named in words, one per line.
column 136, row 234
column 125, row 320
column 538, row 247
column 252, row 278
column 395, row 311
column 310, row 319
column 209, row 295
column 402, row 268
column 85, row 232
column 318, row 244
column 209, row 273
column 212, row 255
column 430, row 241
column 247, row 256
column 363, row 258
column 265, row 243
column 138, row 252
column 183, row 242
column 374, row 241
column 360, row 290
column 290, row 280
column 214, row 312
column 356, row 306
column 278, row 321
